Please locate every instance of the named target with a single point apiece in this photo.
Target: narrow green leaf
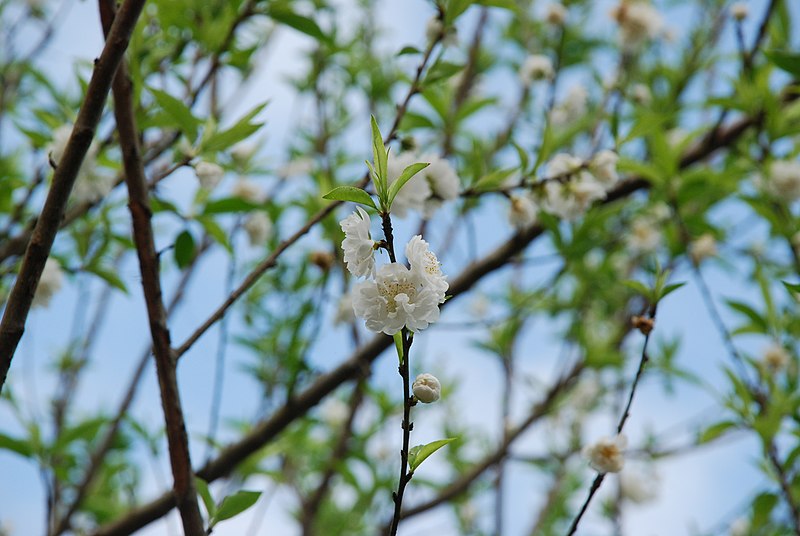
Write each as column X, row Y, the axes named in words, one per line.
column 184, row 249
column 235, row 504
column 21, row 447
column 639, row 287
column 202, row 490
column 178, row 111
column 441, row 71
column 791, row 287
column 714, row 431
column 492, row 180
column 785, row 60
column 300, row 23
column 350, row 193
column 398, row 345
column 215, row 231
column 408, row 50
column 505, row 4
column 109, row 276
column 379, row 152
column 404, row 177
column 420, row 453
column 227, row 205
column 669, row 289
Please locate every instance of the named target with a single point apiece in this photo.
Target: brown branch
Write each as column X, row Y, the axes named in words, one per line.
column 12, row 325
column 267, row 430
column 141, row 214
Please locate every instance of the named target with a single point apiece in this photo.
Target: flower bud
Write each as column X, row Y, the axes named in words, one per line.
column 739, row 11
column 556, row 14
column 426, row 388
column 321, row 259
column 209, row 175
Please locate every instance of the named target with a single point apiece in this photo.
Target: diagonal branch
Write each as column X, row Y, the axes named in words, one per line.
column 12, row 325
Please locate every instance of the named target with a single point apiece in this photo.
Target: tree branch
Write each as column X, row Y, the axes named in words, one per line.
column 12, row 325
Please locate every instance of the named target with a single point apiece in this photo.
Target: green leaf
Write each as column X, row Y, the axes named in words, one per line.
column 21, row 447
column 639, row 288
column 227, row 205
column 442, row 70
column 202, row 490
column 350, row 193
column 178, row 111
column 785, row 60
column 505, row 4
column 109, row 276
column 235, row 504
column 300, row 23
column 380, row 155
column 420, row 453
column 215, row 231
column 398, row 345
column 404, row 177
column 714, row 431
column 791, row 287
column 763, row 505
column 184, row 249
column 493, row 180
column 408, row 50
column 243, row 129
column 669, row 289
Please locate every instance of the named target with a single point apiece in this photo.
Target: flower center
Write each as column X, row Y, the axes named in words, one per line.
column 391, row 289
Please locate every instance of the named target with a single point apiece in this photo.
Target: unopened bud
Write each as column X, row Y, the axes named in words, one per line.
column 426, row 388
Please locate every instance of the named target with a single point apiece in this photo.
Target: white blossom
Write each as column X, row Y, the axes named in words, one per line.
column 572, row 108
column 536, row 67
column 784, row 180
column 258, row 227
column 426, row 388
column 424, row 262
column 740, row 527
column 334, row 412
column 297, row 167
column 243, row 151
column 556, row 14
column 442, row 180
column 775, row 357
column 522, row 211
column 90, row 185
column 248, row 190
column 209, row 174
column 739, row 11
column 639, row 486
column 644, row 236
column 703, row 248
column 396, row 298
column 638, row 22
column 641, row 94
column 606, row 455
column 604, row 167
column 358, row 246
column 344, row 310
column 49, row 283
column 414, row 194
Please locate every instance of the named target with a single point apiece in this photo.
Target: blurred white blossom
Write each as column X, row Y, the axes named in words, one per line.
column 639, row 485
column 522, row 211
column 775, row 357
column 209, row 174
column 258, row 227
column 644, row 236
column 739, row 11
column 248, row 190
column 49, row 283
column 784, row 180
column 536, row 67
column 555, row 14
column 572, row 108
column 638, row 22
column 606, row 455
column 703, row 248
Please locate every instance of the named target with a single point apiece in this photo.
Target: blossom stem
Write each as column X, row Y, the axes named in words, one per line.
column 386, row 222
column 405, row 474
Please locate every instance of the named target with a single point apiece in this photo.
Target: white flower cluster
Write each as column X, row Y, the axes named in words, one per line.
column 775, row 357
column 90, row 186
column 49, row 283
column 606, row 455
column 645, row 235
column 394, row 296
column 638, row 22
column 580, row 184
column 702, row 248
column 428, row 189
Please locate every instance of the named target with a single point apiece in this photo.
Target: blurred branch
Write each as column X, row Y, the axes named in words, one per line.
column 12, row 325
